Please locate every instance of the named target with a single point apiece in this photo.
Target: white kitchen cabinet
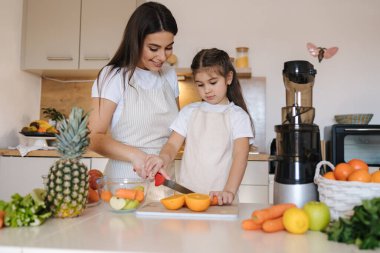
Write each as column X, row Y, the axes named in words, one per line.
column 23, row 174
column 254, row 187
column 72, row 34
column 99, row 163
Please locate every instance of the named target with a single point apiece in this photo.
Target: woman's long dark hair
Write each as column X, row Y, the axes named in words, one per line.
column 218, row 60
column 148, row 18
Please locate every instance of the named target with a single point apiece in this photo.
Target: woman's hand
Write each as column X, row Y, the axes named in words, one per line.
column 138, row 163
column 153, row 164
column 224, row 197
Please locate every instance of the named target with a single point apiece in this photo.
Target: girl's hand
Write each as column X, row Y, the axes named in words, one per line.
column 153, row 164
column 224, row 197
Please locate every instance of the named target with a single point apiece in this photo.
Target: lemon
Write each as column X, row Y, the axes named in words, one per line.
column 296, row 220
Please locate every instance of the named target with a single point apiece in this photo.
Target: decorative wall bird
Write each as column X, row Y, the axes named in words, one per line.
column 321, row 52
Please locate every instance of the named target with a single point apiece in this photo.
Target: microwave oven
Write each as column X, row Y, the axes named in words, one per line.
column 347, row 141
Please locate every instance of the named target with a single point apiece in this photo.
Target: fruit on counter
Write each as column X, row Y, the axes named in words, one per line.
column 173, row 202
column 67, row 181
column 28, row 210
column 375, row 177
column 318, row 214
column 361, row 229
column 197, row 201
column 358, row 164
column 117, row 203
column 94, row 175
column 93, row 195
column 273, row 225
column 273, row 212
column 342, row 171
column 296, row 220
column 40, row 126
column 361, row 175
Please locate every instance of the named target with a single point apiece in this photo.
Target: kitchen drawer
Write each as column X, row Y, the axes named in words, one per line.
column 257, row 173
column 253, row 194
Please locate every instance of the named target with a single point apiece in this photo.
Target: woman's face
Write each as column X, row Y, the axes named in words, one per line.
column 156, row 49
column 212, row 87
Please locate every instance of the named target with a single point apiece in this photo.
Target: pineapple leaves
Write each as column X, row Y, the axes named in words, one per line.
column 73, row 138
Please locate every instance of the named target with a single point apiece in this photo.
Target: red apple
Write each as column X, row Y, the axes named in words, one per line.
column 318, row 213
column 94, row 174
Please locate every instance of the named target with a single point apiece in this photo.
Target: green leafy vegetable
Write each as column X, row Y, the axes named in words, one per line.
column 362, row 229
column 25, row 211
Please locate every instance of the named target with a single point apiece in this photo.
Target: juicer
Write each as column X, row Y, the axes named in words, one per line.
column 298, row 148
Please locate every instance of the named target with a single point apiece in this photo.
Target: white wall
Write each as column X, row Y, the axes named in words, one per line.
column 19, row 91
column 277, row 31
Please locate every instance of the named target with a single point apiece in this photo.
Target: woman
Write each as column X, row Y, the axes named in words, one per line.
column 135, row 96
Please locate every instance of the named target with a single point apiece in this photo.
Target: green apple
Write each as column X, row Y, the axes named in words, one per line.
column 132, row 204
column 319, row 215
column 117, row 203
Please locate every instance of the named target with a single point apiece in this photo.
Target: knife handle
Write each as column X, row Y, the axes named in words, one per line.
column 159, row 179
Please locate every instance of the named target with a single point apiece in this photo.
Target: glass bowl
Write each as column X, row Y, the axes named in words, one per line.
column 123, row 194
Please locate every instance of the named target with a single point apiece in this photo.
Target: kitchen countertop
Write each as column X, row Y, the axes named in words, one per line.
column 101, row 230
column 92, row 154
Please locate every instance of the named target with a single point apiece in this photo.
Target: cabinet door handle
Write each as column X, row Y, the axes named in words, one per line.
column 97, row 58
column 59, row 58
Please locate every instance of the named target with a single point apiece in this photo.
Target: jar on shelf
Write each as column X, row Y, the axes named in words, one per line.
column 241, row 57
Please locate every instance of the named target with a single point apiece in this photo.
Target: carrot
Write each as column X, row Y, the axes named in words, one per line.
column 2, row 215
column 273, row 212
column 126, row 193
column 273, row 225
column 139, row 195
column 248, row 224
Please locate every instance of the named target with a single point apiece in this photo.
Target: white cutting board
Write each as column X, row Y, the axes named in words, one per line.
column 156, row 209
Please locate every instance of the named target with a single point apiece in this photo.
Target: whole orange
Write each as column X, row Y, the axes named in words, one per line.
column 375, row 177
column 106, row 195
column 342, row 171
column 360, row 176
column 197, row 202
column 358, row 164
column 329, row 175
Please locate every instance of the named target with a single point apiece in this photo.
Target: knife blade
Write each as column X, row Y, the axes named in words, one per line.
column 160, row 180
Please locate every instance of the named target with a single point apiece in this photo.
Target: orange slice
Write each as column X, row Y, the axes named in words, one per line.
column 197, row 202
column 173, row 202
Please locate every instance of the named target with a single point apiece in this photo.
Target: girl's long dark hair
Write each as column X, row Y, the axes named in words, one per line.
column 219, row 61
column 148, row 18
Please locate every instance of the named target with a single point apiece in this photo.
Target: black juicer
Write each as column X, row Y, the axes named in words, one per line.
column 298, row 148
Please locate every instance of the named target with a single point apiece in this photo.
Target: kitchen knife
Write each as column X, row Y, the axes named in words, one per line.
column 160, row 180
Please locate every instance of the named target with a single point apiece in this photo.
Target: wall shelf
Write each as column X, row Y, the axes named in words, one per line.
column 241, row 72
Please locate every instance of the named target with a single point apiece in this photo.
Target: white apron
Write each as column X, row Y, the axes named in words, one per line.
column 207, row 157
column 144, row 124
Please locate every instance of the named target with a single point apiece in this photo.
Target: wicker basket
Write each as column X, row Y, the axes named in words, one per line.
column 360, row 118
column 342, row 196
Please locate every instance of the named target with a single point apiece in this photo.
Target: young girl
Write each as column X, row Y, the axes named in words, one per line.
column 135, row 96
column 217, row 131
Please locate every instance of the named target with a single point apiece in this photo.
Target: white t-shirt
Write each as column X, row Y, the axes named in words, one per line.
column 240, row 121
column 114, row 86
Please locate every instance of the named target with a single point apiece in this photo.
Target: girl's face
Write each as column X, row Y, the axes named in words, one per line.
column 156, row 49
column 212, row 87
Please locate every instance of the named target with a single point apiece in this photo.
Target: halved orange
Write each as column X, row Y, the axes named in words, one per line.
column 173, row 202
column 197, row 201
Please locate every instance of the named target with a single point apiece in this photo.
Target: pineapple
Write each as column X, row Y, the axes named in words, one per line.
column 67, row 183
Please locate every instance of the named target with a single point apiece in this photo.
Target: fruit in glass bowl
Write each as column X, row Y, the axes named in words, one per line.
column 123, row 194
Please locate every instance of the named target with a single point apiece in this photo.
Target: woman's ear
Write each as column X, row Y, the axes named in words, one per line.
column 229, row 77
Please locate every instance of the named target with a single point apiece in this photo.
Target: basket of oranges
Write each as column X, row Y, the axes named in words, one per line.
column 345, row 185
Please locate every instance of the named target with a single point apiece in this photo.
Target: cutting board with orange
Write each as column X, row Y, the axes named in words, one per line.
column 156, row 209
